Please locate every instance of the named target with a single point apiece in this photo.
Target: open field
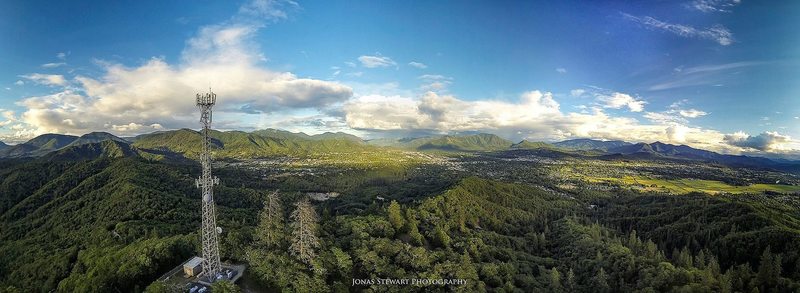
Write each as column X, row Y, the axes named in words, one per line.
column 683, row 186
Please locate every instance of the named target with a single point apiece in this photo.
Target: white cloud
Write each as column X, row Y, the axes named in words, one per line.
column 721, row 67
column 135, row 127
column 434, row 77
column 675, row 114
column 577, row 92
column 535, row 116
column 444, row 112
column 713, row 5
column 417, row 65
column 435, row 82
column 8, row 117
column 376, row 61
column 619, row 100
column 46, row 79
column 53, row 65
column 766, row 141
column 561, row 70
column 19, row 82
column 702, row 75
column 62, row 55
column 129, row 100
column 663, row 117
column 270, row 10
column 717, row 33
column 692, row 113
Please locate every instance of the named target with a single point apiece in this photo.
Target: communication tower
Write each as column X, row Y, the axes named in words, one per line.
column 209, row 231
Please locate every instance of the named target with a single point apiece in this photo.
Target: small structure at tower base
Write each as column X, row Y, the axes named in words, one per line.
column 193, row 267
column 188, row 275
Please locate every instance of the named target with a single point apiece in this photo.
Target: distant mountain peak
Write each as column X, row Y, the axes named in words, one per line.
column 107, row 148
column 587, row 144
column 95, row 137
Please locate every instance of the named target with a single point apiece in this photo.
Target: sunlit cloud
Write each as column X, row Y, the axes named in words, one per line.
column 45, row 79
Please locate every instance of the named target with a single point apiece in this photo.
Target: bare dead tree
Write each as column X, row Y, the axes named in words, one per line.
column 304, row 232
column 270, row 230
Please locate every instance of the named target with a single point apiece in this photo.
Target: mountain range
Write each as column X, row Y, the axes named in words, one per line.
column 271, row 142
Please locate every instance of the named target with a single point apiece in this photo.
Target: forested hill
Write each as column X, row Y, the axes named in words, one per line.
column 114, row 224
column 586, row 144
column 238, row 144
column 474, row 142
column 186, row 142
column 273, row 142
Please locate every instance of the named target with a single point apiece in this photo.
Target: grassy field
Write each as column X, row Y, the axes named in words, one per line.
column 682, row 186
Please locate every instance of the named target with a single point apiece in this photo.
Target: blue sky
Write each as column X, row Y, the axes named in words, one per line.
column 722, row 75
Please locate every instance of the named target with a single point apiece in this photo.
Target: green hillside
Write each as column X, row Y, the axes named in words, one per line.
column 115, row 224
column 90, row 151
column 105, row 225
column 38, row 146
column 533, row 145
column 471, row 143
column 238, row 144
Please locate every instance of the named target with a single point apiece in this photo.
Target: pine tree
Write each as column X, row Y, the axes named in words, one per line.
column 441, row 236
column 570, row 281
column 396, row 216
column 700, row 260
column 651, row 248
column 270, row 231
column 600, row 281
column 411, row 227
column 304, row 232
column 555, row 280
column 713, row 266
column 766, row 273
column 684, row 258
column 725, row 285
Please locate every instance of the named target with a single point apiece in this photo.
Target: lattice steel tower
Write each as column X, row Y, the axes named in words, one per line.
column 209, row 230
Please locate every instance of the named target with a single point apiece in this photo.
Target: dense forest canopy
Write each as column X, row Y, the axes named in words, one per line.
column 101, row 217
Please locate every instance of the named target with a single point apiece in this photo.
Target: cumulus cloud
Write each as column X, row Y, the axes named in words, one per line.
column 418, row 65
column 577, row 92
column 19, row 82
column 717, row 33
column 46, row 79
column 444, row 112
column 620, row 100
column 675, row 114
column 561, row 70
column 535, row 115
column 766, row 141
column 158, row 94
column 7, row 117
column 376, row 61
